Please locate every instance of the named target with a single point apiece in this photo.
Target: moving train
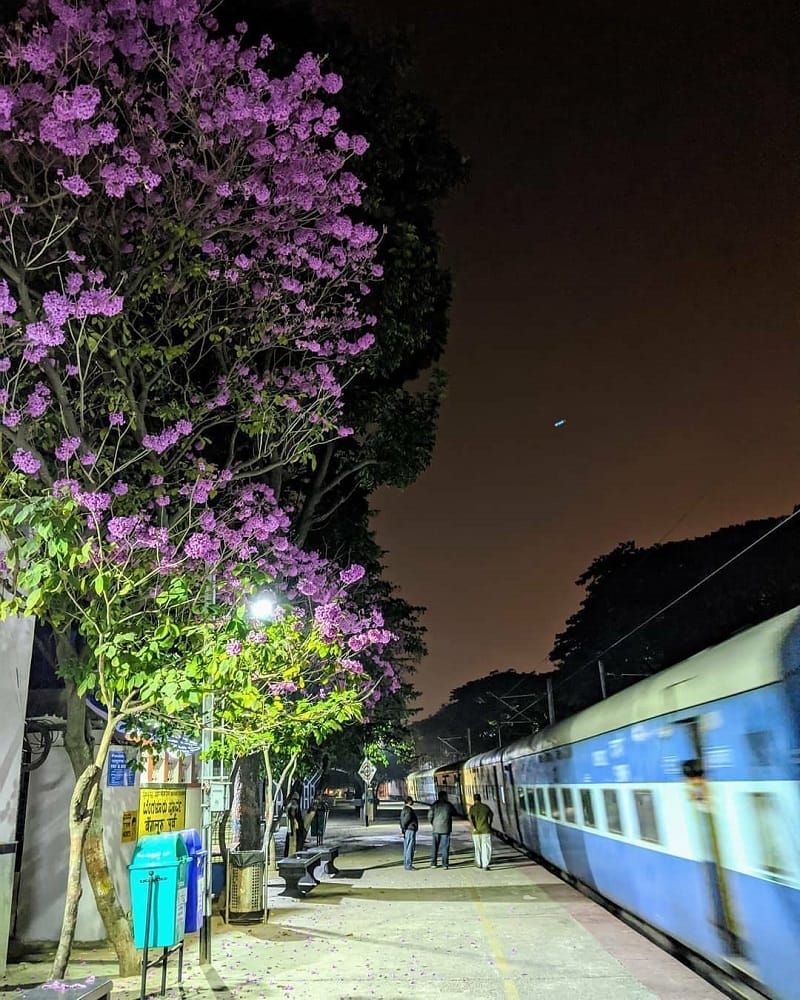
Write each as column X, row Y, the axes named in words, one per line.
column 676, row 800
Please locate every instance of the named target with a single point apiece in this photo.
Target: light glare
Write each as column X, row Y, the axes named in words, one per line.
column 262, row 607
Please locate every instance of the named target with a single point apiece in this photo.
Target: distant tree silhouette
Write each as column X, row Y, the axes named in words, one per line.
column 482, row 714
column 628, row 585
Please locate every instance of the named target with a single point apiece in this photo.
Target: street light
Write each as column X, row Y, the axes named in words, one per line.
column 261, row 606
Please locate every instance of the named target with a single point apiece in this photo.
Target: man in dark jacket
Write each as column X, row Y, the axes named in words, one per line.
column 441, row 819
column 295, row 828
column 409, row 824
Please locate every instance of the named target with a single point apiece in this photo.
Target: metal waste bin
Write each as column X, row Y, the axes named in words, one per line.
column 195, row 880
column 158, row 874
column 245, row 886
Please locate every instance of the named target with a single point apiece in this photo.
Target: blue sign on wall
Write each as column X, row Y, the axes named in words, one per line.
column 119, row 773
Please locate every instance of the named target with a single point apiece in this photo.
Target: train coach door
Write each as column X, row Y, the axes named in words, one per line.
column 701, row 810
column 503, row 814
column 514, row 828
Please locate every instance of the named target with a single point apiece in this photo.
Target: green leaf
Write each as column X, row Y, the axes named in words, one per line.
column 32, row 601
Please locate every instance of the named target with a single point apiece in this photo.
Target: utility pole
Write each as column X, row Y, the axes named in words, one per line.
column 206, row 775
column 602, row 670
column 551, row 707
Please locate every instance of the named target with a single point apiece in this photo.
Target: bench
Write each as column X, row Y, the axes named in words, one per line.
column 327, row 856
column 89, row 988
column 298, row 872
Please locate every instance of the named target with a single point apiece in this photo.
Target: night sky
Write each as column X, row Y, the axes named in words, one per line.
column 625, row 257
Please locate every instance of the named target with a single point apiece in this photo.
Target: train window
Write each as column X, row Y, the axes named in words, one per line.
column 522, row 800
column 569, row 806
column 588, row 807
column 540, row 802
column 646, row 814
column 760, row 744
column 555, row 808
column 613, row 818
column 772, row 857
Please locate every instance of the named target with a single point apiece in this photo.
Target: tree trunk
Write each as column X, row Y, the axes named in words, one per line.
column 313, row 496
column 86, row 838
column 115, row 920
column 223, row 821
column 250, row 836
column 77, row 833
column 269, row 810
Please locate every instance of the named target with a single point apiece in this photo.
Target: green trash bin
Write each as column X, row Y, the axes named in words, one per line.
column 158, row 869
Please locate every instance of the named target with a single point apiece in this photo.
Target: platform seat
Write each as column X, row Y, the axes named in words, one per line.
column 327, row 856
column 90, row 988
column 298, row 873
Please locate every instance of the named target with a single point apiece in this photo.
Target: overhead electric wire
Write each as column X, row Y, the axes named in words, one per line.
column 671, row 604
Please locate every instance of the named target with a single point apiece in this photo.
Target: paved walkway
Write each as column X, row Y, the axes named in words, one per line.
column 512, row 933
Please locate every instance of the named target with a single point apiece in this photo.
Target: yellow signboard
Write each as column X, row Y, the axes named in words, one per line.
column 161, row 810
column 130, row 824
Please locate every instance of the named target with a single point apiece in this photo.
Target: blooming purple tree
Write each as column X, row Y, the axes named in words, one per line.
column 164, row 617
column 180, row 306
column 286, row 685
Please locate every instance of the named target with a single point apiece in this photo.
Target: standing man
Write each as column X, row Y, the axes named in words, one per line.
column 295, row 830
column 316, row 818
column 409, row 824
column 480, row 818
column 441, row 819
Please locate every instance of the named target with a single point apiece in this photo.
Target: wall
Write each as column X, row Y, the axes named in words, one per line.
column 16, row 643
column 44, row 859
column 40, row 906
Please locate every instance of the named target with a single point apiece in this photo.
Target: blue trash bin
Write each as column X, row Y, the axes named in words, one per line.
column 217, row 877
column 158, row 873
column 195, row 880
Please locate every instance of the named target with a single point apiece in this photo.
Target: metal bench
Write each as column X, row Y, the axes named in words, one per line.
column 90, row 988
column 298, row 872
column 327, row 856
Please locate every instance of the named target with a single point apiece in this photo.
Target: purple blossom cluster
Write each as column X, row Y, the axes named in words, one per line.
column 168, row 437
column 267, row 151
column 245, row 532
column 202, row 139
column 26, row 462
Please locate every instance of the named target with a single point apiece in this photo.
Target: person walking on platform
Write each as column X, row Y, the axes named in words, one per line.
column 441, row 819
column 480, row 819
column 409, row 824
column 316, row 819
column 295, row 829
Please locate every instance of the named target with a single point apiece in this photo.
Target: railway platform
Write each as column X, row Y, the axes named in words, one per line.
column 378, row 932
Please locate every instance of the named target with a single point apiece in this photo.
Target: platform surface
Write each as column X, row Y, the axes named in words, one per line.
column 378, row 932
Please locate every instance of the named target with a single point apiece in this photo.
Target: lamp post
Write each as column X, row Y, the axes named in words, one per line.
column 261, row 607
column 206, row 774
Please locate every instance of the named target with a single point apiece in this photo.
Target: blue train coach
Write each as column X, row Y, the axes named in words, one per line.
column 679, row 801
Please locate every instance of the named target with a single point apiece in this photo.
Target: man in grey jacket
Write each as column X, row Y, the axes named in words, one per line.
column 440, row 817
